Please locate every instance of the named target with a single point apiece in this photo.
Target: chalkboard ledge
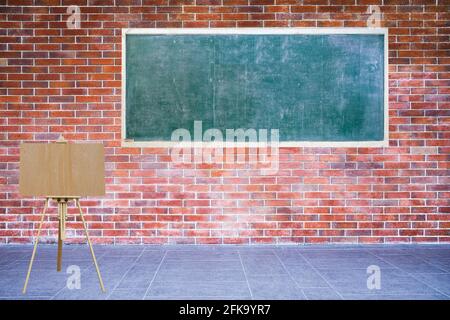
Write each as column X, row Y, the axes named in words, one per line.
column 281, row 144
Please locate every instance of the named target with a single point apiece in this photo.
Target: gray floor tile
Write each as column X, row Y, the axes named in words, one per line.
column 435, row 252
column 307, row 277
column 116, row 264
column 385, row 251
column 117, row 260
column 43, row 266
column 321, row 294
column 437, row 281
column 412, row 264
column 275, row 287
column 441, row 263
column 292, row 258
column 264, row 269
column 348, row 263
column 143, row 269
column 122, row 251
column 246, row 297
column 431, row 296
column 392, row 282
column 262, row 264
column 307, row 247
column 257, row 249
column 49, row 287
column 336, row 254
column 90, row 294
column 50, row 253
column 217, row 272
column 199, row 289
column 195, row 255
column 42, row 282
column 136, row 280
column 188, row 265
column 150, row 257
column 127, row 294
column 200, row 275
column 6, row 265
column 422, row 267
column 25, row 297
column 89, row 280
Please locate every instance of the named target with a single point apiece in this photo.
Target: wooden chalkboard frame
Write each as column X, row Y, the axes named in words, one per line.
column 243, row 31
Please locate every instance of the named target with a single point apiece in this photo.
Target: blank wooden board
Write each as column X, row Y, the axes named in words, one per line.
column 62, row 169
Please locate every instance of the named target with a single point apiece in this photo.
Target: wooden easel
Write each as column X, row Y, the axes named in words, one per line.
column 69, row 171
column 62, row 215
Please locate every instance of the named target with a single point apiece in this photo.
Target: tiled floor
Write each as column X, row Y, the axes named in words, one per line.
column 231, row 272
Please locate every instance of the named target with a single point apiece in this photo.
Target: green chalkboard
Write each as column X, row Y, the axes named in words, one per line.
column 312, row 87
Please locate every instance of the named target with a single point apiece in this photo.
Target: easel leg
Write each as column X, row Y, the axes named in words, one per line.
column 90, row 245
column 36, row 241
column 59, row 258
column 61, row 231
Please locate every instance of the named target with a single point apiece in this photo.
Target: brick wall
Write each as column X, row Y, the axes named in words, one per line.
column 59, row 80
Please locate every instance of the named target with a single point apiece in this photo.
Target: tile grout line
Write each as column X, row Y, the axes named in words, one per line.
column 320, row 274
column 290, row 275
column 125, row 273
column 154, row 276
column 245, row 275
column 411, row 275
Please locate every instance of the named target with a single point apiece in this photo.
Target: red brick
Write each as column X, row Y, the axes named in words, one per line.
column 61, row 80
